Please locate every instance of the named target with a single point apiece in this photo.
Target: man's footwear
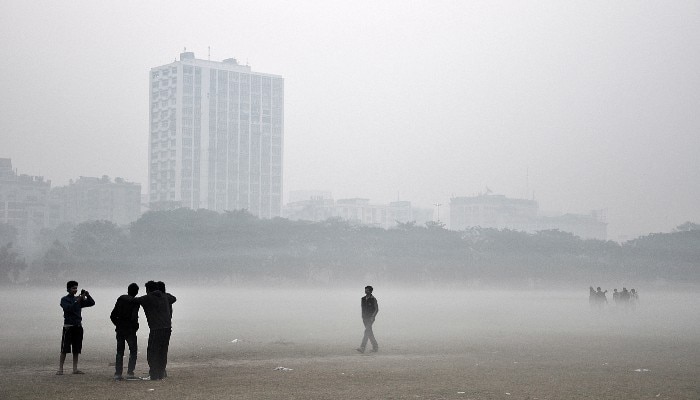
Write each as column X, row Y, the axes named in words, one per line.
column 118, row 378
column 374, row 350
column 78, row 372
column 360, row 350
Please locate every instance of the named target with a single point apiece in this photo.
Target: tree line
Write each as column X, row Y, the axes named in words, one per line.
column 237, row 248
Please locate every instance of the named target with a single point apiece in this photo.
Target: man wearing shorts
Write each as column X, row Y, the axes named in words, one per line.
column 72, row 338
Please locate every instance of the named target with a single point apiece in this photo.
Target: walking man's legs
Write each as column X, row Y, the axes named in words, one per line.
column 369, row 335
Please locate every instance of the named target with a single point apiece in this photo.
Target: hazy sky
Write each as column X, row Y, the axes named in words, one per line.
column 588, row 104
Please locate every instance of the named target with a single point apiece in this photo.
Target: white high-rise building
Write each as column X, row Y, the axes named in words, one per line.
column 216, row 137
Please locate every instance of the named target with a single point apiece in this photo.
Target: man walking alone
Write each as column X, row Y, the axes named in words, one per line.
column 370, row 308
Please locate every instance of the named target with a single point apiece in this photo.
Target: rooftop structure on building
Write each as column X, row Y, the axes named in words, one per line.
column 216, row 137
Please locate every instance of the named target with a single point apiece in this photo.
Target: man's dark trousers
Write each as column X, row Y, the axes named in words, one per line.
column 124, row 338
column 157, row 353
column 369, row 334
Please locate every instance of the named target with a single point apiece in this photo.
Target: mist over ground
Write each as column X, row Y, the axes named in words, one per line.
column 230, row 323
column 204, row 247
column 433, row 344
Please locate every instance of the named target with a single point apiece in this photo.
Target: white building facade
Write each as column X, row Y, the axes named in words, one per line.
column 23, row 202
column 216, row 137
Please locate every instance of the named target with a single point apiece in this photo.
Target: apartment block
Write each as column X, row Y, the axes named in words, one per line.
column 216, row 137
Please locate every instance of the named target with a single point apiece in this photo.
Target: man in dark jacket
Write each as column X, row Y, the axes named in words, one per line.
column 157, row 306
column 161, row 287
column 125, row 317
column 72, row 337
column 370, row 308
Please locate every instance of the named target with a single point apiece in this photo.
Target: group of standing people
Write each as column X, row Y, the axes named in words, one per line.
column 157, row 305
column 626, row 298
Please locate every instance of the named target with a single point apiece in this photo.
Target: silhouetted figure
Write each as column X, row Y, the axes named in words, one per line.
column 616, row 296
column 157, row 307
column 125, row 317
column 625, row 297
column 161, row 287
column 370, row 308
column 601, row 299
column 72, row 337
column 634, row 299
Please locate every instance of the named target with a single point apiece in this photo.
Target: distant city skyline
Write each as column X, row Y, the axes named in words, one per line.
column 581, row 105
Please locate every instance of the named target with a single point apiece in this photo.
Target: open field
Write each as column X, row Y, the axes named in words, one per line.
column 227, row 343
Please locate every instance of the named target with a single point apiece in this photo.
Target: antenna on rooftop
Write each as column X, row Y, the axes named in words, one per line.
column 438, row 210
column 209, row 53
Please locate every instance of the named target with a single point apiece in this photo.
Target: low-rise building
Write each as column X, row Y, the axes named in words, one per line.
column 318, row 206
column 90, row 198
column 23, row 202
column 500, row 212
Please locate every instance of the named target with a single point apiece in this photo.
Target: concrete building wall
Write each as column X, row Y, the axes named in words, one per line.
column 216, row 137
column 91, row 199
column 23, row 202
column 500, row 212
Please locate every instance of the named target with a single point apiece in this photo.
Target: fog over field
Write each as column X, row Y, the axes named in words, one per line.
column 266, row 323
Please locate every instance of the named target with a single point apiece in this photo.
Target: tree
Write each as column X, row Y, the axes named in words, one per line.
column 57, row 260
column 687, row 227
column 435, row 225
column 96, row 238
column 8, row 234
column 10, row 264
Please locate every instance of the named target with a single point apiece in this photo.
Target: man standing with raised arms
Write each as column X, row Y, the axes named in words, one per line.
column 370, row 308
column 72, row 337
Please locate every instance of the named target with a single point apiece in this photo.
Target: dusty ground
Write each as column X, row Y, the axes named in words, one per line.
column 460, row 347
